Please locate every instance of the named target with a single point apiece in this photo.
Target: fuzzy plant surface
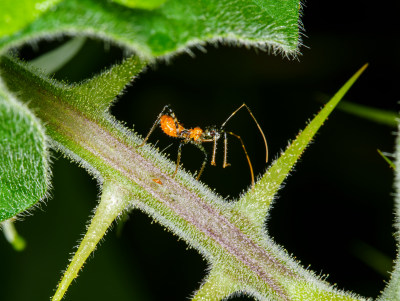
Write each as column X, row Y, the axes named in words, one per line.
column 230, row 235
column 38, row 113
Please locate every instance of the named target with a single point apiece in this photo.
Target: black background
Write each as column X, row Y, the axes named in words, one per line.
column 336, row 205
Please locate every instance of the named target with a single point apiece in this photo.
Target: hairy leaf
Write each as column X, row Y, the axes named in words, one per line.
column 16, row 15
column 23, row 158
column 174, row 26
column 144, row 4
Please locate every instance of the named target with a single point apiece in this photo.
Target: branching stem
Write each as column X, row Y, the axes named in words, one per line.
column 228, row 236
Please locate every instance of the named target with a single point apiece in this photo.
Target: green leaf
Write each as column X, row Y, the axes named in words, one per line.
column 174, row 26
column 54, row 60
column 144, row 4
column 23, row 158
column 17, row 14
column 385, row 117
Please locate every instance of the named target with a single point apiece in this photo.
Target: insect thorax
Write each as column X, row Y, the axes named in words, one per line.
column 212, row 133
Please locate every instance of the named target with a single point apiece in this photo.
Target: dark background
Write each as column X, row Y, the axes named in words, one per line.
column 336, row 206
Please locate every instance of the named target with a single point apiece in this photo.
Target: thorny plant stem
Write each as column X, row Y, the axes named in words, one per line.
column 226, row 237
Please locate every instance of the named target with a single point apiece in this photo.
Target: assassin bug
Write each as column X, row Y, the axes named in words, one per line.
column 170, row 126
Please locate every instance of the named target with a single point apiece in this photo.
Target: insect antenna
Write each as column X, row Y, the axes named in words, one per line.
column 251, row 114
column 241, row 141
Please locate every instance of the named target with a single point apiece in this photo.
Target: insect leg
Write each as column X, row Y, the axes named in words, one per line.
column 203, row 165
column 214, row 150
column 178, row 159
column 226, row 164
column 166, row 108
column 247, row 157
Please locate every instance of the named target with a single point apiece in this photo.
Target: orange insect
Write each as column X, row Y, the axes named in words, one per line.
column 170, row 125
column 158, row 181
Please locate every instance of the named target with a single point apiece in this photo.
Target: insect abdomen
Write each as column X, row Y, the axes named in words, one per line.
column 168, row 126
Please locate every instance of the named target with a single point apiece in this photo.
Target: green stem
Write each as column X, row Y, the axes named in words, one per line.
column 224, row 235
column 216, row 287
column 113, row 202
column 12, row 235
